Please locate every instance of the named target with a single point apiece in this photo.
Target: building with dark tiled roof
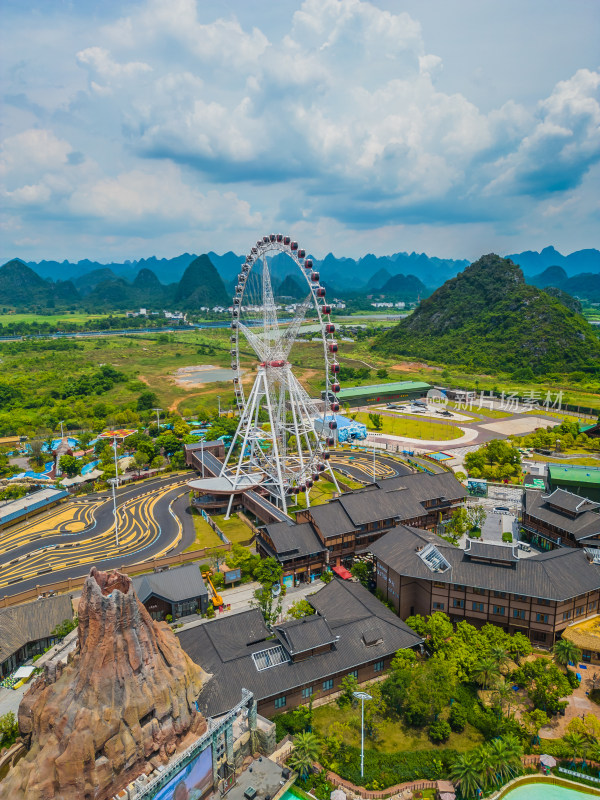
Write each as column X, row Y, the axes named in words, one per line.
column 350, row 633
column 333, row 533
column 561, row 519
column 419, row 573
column 25, row 630
column 178, row 591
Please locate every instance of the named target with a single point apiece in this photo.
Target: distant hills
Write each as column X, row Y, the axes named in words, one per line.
column 489, row 318
column 21, row 288
column 155, row 281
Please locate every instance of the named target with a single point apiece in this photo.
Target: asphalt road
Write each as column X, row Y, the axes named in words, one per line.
column 68, row 540
column 359, row 465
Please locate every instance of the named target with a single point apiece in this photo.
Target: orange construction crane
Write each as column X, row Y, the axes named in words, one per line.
column 216, row 599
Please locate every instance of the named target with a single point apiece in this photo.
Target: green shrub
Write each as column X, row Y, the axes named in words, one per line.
column 210, row 611
column 439, row 731
column 457, row 718
column 507, row 536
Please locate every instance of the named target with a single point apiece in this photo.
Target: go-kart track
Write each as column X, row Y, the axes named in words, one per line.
column 67, row 541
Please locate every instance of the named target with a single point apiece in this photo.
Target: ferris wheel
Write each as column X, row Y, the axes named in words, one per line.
column 282, row 435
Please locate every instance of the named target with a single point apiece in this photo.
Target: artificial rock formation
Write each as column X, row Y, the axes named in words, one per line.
column 125, row 699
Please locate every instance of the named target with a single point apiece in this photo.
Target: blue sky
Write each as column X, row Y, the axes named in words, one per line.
column 455, row 127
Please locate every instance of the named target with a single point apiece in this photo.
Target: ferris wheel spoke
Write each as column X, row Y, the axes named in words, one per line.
column 257, row 343
column 289, row 336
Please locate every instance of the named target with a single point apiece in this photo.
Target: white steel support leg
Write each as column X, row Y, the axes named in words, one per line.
column 334, row 479
column 275, row 448
column 253, row 396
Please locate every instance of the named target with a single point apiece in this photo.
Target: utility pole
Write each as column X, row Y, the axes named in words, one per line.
column 62, row 433
column 362, row 696
column 116, row 464
column 158, row 410
column 219, row 400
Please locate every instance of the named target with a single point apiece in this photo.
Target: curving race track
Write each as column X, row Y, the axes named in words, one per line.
column 65, row 542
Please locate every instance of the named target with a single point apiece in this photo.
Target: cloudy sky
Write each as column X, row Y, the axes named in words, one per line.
column 454, row 127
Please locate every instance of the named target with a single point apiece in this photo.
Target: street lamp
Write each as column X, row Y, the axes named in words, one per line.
column 219, row 400
column 116, row 464
column 158, row 410
column 114, row 482
column 362, row 696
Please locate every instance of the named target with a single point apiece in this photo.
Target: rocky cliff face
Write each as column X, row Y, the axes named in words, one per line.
column 126, row 699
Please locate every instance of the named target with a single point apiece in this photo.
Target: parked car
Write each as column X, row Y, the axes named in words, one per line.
column 501, row 510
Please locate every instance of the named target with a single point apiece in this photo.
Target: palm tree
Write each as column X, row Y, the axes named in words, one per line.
column 499, row 654
column 306, row 751
column 486, row 672
column 465, row 774
column 498, row 760
column 504, row 694
column 564, row 651
column 513, row 753
column 575, row 743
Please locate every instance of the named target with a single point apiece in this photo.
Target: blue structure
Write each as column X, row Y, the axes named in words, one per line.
column 346, row 430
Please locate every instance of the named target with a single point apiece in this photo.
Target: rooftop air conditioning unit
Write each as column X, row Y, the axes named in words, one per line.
column 250, row 793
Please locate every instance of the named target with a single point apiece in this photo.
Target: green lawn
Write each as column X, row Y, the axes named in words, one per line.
column 205, row 536
column 413, row 428
column 394, row 736
column 484, row 411
column 234, row 528
column 77, row 318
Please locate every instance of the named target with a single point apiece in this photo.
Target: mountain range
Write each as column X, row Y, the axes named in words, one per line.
column 370, row 271
column 489, row 318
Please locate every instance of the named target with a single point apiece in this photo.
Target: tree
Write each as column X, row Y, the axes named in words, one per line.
column 519, row 646
column 37, row 456
column 267, row 571
column 459, row 523
column 457, row 718
column 362, row 571
column 534, row 720
column 140, row 459
column 465, row 774
column 305, row 753
column 565, row 652
column 487, row 672
column 348, row 686
column 575, row 742
column 439, row 731
column 269, row 605
column 544, row 683
column 477, row 515
column 69, row 465
column 9, row 729
column 382, row 374
column 300, row 609
column 146, row 401
column 376, row 421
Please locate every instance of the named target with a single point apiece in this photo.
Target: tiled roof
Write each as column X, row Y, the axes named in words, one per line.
column 304, row 634
column 175, row 585
column 491, row 552
column 584, row 525
column 294, row 541
column 557, row 575
column 224, row 648
column 571, row 502
column 31, row 621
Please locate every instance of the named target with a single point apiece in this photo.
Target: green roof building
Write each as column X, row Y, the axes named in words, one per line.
column 401, row 391
column 584, row 481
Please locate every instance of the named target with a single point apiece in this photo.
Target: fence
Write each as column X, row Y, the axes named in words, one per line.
column 366, row 794
column 214, row 526
column 72, row 584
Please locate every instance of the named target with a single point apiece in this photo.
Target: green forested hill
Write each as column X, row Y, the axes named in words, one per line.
column 488, row 318
column 22, row 287
column 201, row 285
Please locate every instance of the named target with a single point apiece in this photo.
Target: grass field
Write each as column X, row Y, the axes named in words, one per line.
column 394, row 736
column 205, row 536
column 234, row 528
column 77, row 318
column 413, row 428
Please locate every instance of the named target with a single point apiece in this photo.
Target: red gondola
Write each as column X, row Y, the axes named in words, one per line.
column 335, row 387
column 335, row 368
column 301, row 253
column 333, row 348
column 309, row 483
column 330, row 441
column 321, row 467
column 330, row 328
column 316, row 476
column 335, row 406
column 325, row 309
column 272, row 237
column 265, row 239
column 332, row 425
column 286, row 240
column 293, row 245
column 280, row 237
column 276, row 363
column 320, row 291
column 314, row 276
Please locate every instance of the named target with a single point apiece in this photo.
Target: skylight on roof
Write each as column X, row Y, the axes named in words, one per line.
column 273, row 657
column 433, row 559
column 593, row 553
